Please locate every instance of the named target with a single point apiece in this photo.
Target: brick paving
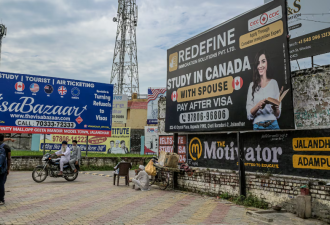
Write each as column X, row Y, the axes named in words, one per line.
column 93, row 199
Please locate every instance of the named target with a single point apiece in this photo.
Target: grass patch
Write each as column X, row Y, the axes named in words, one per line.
column 90, row 154
column 249, row 201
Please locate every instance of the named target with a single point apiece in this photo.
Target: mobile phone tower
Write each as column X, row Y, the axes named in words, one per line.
column 3, row 33
column 124, row 74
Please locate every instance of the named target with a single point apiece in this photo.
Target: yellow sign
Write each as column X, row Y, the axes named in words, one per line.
column 311, row 144
column 173, row 62
column 263, row 34
column 317, row 162
column 118, row 143
column 195, row 148
column 218, row 87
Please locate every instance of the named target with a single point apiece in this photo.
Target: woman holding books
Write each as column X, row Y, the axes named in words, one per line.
column 261, row 110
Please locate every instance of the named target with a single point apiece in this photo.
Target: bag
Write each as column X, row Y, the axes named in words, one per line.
column 151, row 169
column 161, row 158
column 171, row 160
column 3, row 159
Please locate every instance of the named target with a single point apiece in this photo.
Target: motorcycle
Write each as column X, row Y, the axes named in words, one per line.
column 51, row 167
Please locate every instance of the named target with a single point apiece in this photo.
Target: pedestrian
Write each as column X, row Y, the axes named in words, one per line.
column 75, row 156
column 5, row 161
column 141, row 180
column 64, row 153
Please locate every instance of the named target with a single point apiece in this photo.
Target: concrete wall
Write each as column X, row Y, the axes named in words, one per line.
column 312, row 98
column 22, row 141
column 136, row 118
column 28, row 162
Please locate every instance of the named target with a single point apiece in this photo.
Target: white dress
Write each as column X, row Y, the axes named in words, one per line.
column 267, row 113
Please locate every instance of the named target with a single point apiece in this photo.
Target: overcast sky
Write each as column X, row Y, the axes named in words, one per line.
column 75, row 38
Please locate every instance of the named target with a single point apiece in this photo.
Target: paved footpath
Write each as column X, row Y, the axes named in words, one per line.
column 93, row 199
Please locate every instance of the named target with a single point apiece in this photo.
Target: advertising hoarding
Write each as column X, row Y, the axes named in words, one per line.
column 119, row 111
column 150, row 140
column 166, row 145
column 153, row 97
column 234, row 77
column 48, row 105
column 303, row 153
column 309, row 27
column 118, row 143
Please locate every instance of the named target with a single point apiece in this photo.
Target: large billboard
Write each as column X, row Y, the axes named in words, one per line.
column 309, row 27
column 153, row 97
column 233, row 77
column 297, row 153
column 48, row 105
column 119, row 112
column 118, row 143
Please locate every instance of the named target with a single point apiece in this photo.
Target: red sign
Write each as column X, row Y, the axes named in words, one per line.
column 165, row 140
column 37, row 130
column 181, row 149
column 182, row 159
column 166, row 148
column 182, row 140
column 79, row 120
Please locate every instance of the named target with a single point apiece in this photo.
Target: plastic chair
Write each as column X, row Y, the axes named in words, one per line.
column 124, row 168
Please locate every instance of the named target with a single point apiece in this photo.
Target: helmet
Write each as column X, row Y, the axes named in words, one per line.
column 64, row 142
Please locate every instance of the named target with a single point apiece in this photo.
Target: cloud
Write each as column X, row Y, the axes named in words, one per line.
column 76, row 38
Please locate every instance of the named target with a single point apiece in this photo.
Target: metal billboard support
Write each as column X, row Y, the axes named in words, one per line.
column 241, row 156
column 44, row 151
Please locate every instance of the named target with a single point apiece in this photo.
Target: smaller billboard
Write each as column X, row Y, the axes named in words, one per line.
column 166, row 144
column 118, row 143
column 150, row 140
column 153, row 97
column 119, row 109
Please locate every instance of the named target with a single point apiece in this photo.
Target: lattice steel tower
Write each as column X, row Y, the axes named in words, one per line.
column 3, row 32
column 125, row 63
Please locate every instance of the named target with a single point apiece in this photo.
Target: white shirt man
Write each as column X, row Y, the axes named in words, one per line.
column 65, row 155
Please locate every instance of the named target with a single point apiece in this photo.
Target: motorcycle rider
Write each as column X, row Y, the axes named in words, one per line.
column 75, row 156
column 64, row 153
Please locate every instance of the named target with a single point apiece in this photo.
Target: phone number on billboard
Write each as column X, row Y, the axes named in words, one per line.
column 205, row 116
column 40, row 123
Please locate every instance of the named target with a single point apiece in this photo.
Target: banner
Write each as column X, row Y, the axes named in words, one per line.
column 166, row 144
column 303, row 153
column 150, row 140
column 309, row 28
column 36, row 104
column 234, row 77
column 118, row 143
column 153, row 97
column 119, row 112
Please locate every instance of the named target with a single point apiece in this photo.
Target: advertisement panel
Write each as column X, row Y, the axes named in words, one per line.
column 36, row 104
column 119, row 112
column 118, row 143
column 309, row 28
column 166, row 144
column 303, row 153
column 150, row 140
column 153, row 97
column 235, row 76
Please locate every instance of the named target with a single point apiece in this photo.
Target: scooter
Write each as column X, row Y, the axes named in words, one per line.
column 51, row 167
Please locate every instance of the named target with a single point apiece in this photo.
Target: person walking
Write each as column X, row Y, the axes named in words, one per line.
column 75, row 156
column 5, row 161
column 64, row 153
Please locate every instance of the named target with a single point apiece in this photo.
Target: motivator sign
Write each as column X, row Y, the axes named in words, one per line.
column 47, row 105
column 233, row 77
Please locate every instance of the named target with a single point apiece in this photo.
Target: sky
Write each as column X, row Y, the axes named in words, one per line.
column 76, row 38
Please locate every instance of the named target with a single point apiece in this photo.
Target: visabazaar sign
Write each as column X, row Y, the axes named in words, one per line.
column 47, row 105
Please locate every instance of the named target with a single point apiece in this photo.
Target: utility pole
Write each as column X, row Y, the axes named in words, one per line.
column 3, row 32
column 125, row 63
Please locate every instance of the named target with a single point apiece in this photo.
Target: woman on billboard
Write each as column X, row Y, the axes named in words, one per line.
column 260, row 110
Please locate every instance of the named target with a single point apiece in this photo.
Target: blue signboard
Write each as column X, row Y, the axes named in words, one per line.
column 48, row 105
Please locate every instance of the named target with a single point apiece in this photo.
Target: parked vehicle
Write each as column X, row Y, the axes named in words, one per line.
column 51, row 167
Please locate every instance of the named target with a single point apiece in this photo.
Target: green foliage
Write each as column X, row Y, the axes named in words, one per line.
column 40, row 153
column 96, row 168
column 249, row 201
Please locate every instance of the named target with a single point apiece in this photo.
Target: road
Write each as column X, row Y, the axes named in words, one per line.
column 93, row 199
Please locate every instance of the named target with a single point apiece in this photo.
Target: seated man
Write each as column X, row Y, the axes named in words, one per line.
column 64, row 153
column 75, row 156
column 142, row 180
